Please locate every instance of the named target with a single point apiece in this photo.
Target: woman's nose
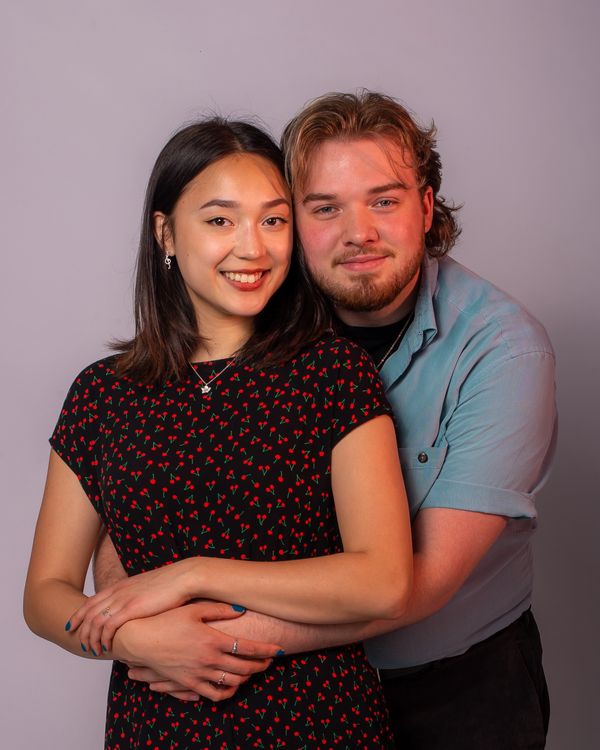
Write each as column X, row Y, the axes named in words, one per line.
column 251, row 243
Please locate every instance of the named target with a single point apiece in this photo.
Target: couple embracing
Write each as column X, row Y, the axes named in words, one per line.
column 323, row 421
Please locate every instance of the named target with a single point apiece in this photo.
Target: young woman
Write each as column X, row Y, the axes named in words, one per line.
column 234, row 450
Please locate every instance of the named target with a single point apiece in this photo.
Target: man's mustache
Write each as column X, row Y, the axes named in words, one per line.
column 361, row 252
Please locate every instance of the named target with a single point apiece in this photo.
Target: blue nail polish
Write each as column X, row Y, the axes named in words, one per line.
column 238, row 608
column 104, row 649
column 83, row 648
column 281, row 652
column 68, row 626
column 93, row 652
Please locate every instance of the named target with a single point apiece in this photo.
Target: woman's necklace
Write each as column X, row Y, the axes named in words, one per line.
column 395, row 342
column 206, row 383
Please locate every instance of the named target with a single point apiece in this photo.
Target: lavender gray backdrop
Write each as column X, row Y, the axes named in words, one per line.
column 91, row 90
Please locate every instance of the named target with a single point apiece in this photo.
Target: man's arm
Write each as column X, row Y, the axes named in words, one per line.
column 106, row 566
column 448, row 544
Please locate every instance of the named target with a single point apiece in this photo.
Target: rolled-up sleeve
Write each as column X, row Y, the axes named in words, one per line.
column 499, row 438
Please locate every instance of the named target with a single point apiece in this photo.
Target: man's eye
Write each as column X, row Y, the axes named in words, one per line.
column 324, row 210
column 385, row 202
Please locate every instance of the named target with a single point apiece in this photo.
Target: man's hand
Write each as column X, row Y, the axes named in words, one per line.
column 178, row 653
column 159, row 684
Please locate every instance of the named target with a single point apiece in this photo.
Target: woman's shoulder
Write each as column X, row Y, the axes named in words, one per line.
column 98, row 374
column 101, row 380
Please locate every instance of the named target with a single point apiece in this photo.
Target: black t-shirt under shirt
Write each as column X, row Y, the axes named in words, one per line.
column 376, row 340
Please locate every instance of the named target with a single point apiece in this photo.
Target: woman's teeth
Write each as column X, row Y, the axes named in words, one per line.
column 244, row 278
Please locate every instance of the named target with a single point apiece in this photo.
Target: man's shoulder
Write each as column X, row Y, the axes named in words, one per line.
column 465, row 298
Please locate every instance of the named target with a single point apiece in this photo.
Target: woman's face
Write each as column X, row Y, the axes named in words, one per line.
column 231, row 231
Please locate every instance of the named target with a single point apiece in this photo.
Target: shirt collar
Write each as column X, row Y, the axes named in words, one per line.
column 422, row 330
column 425, row 325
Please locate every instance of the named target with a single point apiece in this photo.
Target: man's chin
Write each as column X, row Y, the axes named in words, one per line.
column 364, row 297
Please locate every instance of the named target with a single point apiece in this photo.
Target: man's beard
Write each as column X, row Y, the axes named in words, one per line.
column 366, row 293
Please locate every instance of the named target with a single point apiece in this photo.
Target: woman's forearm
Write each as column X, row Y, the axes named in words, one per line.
column 340, row 588
column 370, row 580
column 47, row 607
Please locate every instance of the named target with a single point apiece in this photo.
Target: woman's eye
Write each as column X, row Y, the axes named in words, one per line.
column 274, row 221
column 219, row 221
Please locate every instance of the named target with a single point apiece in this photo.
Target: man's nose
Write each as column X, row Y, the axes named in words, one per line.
column 359, row 228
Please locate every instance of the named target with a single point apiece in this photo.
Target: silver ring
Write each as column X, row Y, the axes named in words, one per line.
column 221, row 680
column 106, row 612
column 234, row 648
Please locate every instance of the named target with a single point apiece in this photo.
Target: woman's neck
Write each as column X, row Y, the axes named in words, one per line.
column 222, row 340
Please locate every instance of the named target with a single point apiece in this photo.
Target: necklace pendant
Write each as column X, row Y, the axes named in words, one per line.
column 205, row 389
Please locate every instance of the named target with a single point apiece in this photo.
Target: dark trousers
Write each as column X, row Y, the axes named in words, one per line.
column 492, row 697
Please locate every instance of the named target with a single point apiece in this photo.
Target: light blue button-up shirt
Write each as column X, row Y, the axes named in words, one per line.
column 472, row 388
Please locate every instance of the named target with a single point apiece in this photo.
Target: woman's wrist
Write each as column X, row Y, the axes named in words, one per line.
column 193, row 584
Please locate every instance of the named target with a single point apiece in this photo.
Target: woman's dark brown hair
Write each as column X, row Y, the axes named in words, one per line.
column 166, row 334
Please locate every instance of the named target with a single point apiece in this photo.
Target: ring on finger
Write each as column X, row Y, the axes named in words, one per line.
column 234, row 648
column 221, row 680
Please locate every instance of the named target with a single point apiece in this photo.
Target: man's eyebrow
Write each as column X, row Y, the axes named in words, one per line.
column 311, row 197
column 397, row 185
column 223, row 203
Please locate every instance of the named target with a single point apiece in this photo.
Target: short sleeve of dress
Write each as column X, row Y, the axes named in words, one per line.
column 356, row 389
column 76, row 437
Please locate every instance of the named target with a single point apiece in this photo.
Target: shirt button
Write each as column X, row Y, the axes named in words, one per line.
column 423, row 458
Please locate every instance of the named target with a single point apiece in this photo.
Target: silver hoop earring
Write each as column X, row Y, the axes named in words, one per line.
column 167, row 261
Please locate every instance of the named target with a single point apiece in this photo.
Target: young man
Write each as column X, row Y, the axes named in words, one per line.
column 470, row 375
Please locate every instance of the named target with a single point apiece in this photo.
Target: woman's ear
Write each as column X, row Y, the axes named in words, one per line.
column 163, row 233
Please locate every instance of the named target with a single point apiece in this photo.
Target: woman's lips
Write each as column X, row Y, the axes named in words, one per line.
column 245, row 280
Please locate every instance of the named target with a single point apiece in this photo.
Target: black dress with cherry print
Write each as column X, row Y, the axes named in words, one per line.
column 240, row 472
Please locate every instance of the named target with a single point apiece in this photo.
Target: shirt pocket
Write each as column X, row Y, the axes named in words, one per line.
column 421, row 466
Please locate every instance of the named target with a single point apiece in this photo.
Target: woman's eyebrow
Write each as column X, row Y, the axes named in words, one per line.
column 224, row 203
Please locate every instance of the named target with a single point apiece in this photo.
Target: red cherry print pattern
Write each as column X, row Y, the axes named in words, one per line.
column 241, row 472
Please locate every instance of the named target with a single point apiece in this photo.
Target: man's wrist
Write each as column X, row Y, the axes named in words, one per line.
column 124, row 643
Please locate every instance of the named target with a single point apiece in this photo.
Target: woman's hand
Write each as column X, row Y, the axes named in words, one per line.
column 143, row 595
column 177, row 652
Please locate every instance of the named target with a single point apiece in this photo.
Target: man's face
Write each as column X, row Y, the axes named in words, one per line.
column 362, row 221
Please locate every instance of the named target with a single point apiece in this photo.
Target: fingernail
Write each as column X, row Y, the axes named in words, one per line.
column 104, row 649
column 238, row 608
column 93, row 652
column 68, row 626
column 84, row 649
column 281, row 652
column 194, row 697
